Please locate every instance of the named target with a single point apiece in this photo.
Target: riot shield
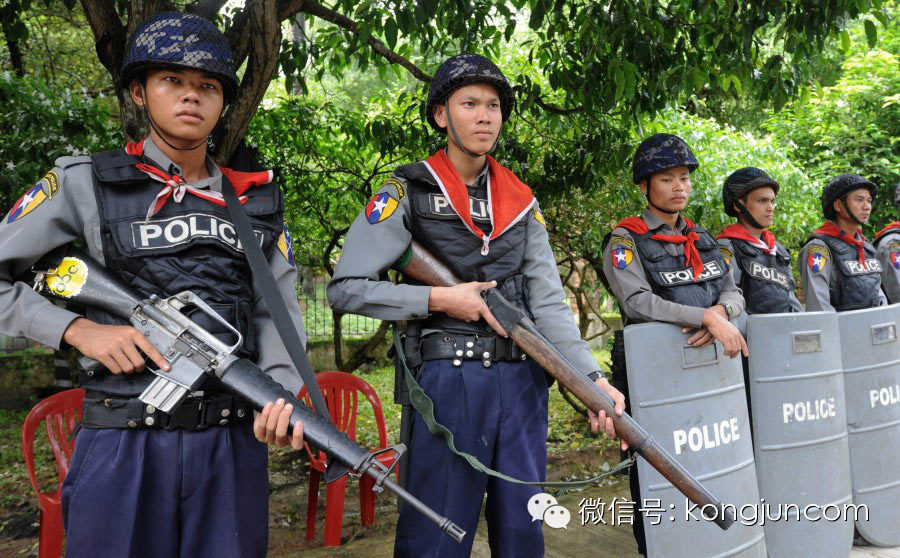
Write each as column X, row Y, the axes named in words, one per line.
column 691, row 400
column 871, row 357
column 800, row 433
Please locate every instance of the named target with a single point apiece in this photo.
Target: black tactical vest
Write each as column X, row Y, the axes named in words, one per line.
column 672, row 279
column 437, row 227
column 766, row 278
column 857, row 286
column 190, row 245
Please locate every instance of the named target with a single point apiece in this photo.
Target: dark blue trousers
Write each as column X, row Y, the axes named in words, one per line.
column 167, row 493
column 498, row 414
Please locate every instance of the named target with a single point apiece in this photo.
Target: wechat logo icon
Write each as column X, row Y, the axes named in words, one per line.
column 544, row 507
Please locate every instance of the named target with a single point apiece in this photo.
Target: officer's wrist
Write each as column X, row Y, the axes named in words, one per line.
column 595, row 375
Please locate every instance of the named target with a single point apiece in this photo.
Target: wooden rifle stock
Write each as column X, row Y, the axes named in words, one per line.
column 419, row 264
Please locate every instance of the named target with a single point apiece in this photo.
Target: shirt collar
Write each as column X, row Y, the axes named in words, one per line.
column 156, row 155
column 654, row 222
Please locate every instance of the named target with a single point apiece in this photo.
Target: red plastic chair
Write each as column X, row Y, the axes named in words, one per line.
column 59, row 413
column 341, row 392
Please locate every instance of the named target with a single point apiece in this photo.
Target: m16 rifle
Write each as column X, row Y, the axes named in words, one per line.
column 195, row 355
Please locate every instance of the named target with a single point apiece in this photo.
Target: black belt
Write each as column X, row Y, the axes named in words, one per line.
column 195, row 413
column 470, row 347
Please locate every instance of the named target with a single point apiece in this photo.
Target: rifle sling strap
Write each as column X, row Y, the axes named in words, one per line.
column 275, row 303
column 425, row 407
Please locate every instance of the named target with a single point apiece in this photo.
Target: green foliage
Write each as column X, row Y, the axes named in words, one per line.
column 853, row 126
column 41, row 122
column 722, row 150
column 330, row 157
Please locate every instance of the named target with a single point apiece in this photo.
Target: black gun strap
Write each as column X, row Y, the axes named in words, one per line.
column 274, row 302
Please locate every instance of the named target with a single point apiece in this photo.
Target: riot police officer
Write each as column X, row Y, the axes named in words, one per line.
column 662, row 267
column 485, row 224
column 839, row 268
column 143, row 482
column 887, row 242
column 760, row 265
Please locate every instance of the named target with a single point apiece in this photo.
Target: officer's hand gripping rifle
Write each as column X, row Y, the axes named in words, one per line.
column 419, row 264
column 195, row 355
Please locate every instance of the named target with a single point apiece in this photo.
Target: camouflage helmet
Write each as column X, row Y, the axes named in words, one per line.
column 661, row 152
column 741, row 182
column 183, row 41
column 841, row 185
column 466, row 69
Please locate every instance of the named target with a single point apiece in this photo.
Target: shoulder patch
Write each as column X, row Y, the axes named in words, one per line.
column 380, row 207
column 726, row 253
column 627, row 242
column 45, row 189
column 286, row 246
column 539, row 217
column 621, row 255
column 398, row 186
column 817, row 258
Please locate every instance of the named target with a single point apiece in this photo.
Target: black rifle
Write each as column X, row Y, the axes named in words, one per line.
column 195, row 355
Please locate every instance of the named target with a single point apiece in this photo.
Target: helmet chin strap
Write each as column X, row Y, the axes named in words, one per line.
column 745, row 213
column 658, row 208
column 156, row 129
column 853, row 217
column 460, row 143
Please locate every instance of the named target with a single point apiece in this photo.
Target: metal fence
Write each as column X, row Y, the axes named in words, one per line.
column 317, row 315
column 11, row 344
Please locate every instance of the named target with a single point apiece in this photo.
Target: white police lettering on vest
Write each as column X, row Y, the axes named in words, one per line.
column 711, row 270
column 885, row 396
column 707, row 436
column 759, row 271
column 174, row 231
column 872, row 265
column 440, row 205
column 801, row 411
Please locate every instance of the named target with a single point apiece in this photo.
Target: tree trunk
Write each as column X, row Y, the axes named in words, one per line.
column 264, row 30
column 298, row 34
column 15, row 54
column 358, row 356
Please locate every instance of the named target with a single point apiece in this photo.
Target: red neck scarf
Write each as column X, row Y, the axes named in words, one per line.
column 738, row 232
column 509, row 199
column 832, row 230
column 691, row 254
column 175, row 186
column 893, row 226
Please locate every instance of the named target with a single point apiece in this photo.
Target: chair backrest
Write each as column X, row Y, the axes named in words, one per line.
column 341, row 392
column 59, row 413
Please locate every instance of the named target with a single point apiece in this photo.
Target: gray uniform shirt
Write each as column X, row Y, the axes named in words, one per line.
column 370, row 249
column 816, row 283
column 631, row 287
column 71, row 213
column 737, row 274
column 890, row 275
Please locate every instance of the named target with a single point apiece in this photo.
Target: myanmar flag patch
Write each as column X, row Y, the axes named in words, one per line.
column 285, row 246
column 621, row 257
column 816, row 260
column 380, row 207
column 45, row 189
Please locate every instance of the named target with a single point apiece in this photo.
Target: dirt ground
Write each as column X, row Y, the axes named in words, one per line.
column 287, row 514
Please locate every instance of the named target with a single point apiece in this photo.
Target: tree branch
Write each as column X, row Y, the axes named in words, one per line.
column 109, row 33
column 322, row 12
column 207, row 9
column 555, row 109
column 265, row 40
